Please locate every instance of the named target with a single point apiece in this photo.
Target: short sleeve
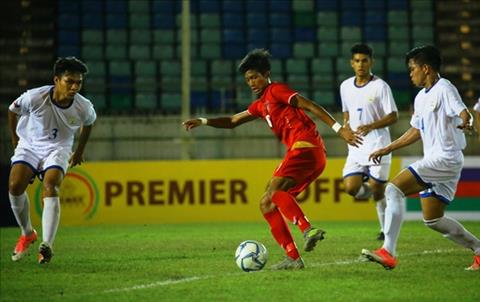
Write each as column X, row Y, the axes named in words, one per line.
column 415, row 121
column 476, row 107
column 282, row 93
column 388, row 102
column 91, row 116
column 21, row 105
column 254, row 109
column 453, row 102
column 342, row 97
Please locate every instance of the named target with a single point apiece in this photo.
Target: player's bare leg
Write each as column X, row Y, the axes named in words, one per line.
column 403, row 184
column 51, row 213
column 20, row 176
column 378, row 193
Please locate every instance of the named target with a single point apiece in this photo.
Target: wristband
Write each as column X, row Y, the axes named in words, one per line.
column 336, row 127
column 203, row 120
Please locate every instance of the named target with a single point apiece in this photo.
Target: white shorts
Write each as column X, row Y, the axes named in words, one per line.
column 440, row 173
column 378, row 173
column 40, row 161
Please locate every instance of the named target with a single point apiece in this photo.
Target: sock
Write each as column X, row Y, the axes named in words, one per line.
column 381, row 205
column 21, row 209
column 453, row 230
column 395, row 200
column 50, row 218
column 281, row 233
column 290, row 209
column 364, row 192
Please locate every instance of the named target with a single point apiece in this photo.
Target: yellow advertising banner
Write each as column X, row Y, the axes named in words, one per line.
column 191, row 191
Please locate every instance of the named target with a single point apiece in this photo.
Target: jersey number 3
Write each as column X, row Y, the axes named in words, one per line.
column 53, row 134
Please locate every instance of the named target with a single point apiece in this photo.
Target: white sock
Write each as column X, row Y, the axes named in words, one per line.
column 381, row 205
column 453, row 230
column 395, row 200
column 50, row 218
column 21, row 209
column 364, row 192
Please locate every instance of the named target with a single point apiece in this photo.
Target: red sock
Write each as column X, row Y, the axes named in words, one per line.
column 281, row 233
column 290, row 209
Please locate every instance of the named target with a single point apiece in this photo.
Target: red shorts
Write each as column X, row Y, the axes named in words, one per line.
column 303, row 165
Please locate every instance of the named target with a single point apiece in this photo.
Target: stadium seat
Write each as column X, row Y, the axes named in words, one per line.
column 303, row 50
column 379, row 48
column 343, row 65
column 304, row 19
column 119, row 68
column 257, row 21
column 69, row 21
column 210, row 21
column 140, row 36
column 303, row 5
column 117, row 7
column 397, row 17
column 68, row 50
column 210, row 35
column 116, row 21
column 403, row 98
column 171, row 102
column 145, row 84
column 92, row 52
column 280, row 35
column 68, row 37
column 115, row 52
column 351, row 18
column 92, row 37
column 146, row 101
column 99, row 100
column 193, row 21
column 120, row 102
column 210, row 50
column 163, row 52
column 374, row 5
column 139, row 6
column 296, row 67
column 198, row 67
column 139, row 52
column 327, row 49
column 235, row 20
column 163, row 21
column 257, row 35
column 304, row 34
column 96, row 69
column 139, row 21
column 164, row 36
column 327, row 18
column 233, row 36
column 221, row 68
column 199, row 83
column 351, row 33
column 321, row 66
column 145, row 68
column 374, row 33
column 396, row 64
column 209, row 6
column 324, row 97
column 116, row 36
column 326, row 5
column 327, row 33
column 279, row 20
column 93, row 20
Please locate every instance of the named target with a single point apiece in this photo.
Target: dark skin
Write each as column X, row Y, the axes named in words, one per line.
column 362, row 67
column 258, row 82
column 65, row 88
column 432, row 208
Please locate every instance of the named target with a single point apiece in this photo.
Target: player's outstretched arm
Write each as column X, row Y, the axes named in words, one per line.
column 409, row 137
column 220, row 122
column 345, row 132
column 77, row 156
column 12, row 125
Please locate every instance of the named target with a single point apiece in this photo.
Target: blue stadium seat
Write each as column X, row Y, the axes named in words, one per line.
column 375, row 17
column 257, row 35
column 232, row 6
column 69, row 21
column 257, row 20
column 399, row 80
column 117, row 21
column 116, row 7
column 326, row 5
column 374, row 33
column 198, row 100
column 233, row 20
column 120, row 84
column 233, row 50
column 397, row 4
column 163, row 21
column 209, row 6
column 374, row 5
column 280, row 20
column 167, row 7
column 351, row 18
column 68, row 7
column 68, row 37
column 280, row 6
column 92, row 20
column 68, row 50
column 305, row 34
column 281, row 50
column 233, row 36
column 353, row 5
column 92, row 6
column 278, row 35
column 255, row 6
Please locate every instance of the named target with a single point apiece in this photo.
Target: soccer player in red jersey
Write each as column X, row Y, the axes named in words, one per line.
column 283, row 110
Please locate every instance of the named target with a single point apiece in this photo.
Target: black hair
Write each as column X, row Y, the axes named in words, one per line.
column 69, row 64
column 363, row 49
column 257, row 59
column 425, row 55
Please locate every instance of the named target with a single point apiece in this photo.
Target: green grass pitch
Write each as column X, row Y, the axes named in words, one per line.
column 194, row 262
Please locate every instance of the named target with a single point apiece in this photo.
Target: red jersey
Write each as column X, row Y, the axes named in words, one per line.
column 290, row 124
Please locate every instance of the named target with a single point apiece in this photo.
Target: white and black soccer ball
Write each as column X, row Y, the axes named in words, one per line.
column 251, row 256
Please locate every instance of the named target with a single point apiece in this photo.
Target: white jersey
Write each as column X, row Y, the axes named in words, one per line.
column 44, row 124
column 476, row 107
column 436, row 115
column 365, row 105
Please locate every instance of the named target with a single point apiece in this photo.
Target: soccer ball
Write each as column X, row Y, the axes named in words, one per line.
column 251, row 256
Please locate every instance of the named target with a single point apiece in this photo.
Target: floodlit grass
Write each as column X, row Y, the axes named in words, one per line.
column 194, row 262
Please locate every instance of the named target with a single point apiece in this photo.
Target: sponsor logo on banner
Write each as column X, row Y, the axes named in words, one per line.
column 79, row 196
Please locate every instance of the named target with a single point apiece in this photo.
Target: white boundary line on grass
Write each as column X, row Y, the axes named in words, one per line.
column 197, row 278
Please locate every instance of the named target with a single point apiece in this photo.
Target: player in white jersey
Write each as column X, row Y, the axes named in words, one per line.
column 476, row 108
column 369, row 108
column 438, row 120
column 43, row 122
